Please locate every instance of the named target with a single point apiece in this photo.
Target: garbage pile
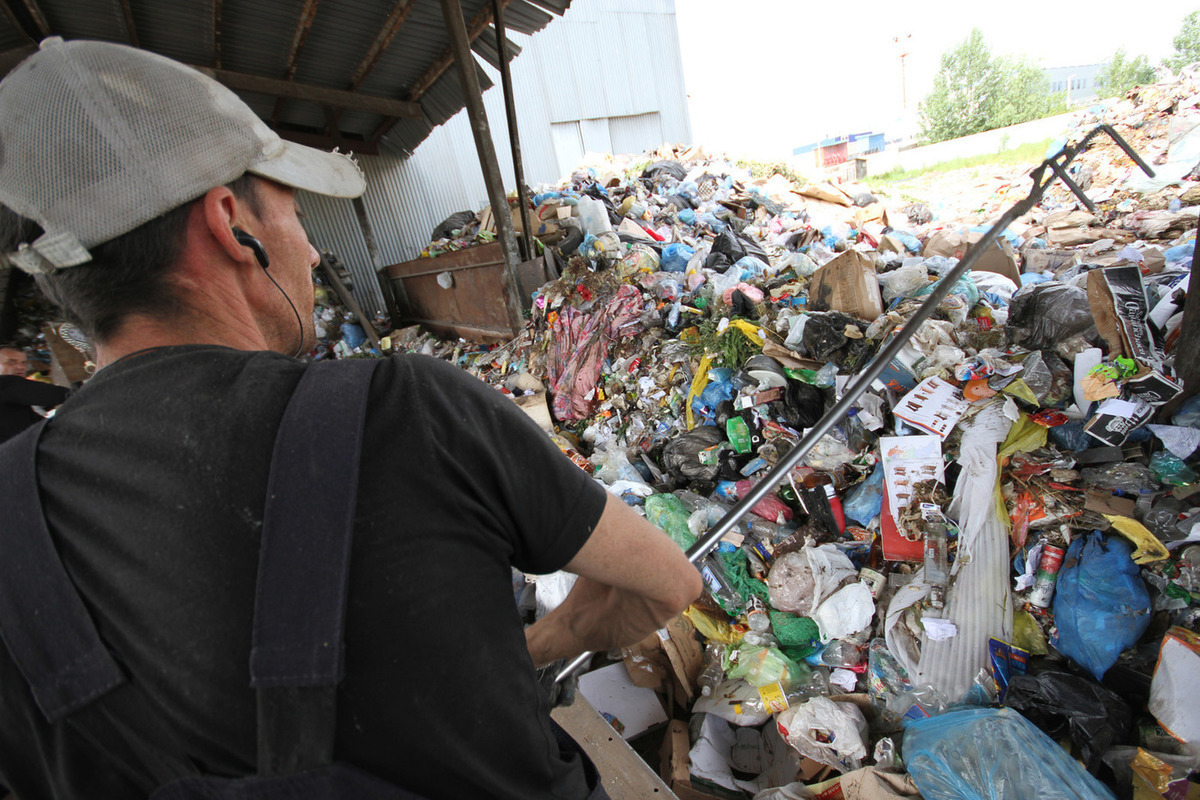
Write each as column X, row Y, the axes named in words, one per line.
column 984, row 581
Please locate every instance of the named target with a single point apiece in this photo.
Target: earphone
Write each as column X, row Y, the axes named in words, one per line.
column 246, row 240
column 260, row 253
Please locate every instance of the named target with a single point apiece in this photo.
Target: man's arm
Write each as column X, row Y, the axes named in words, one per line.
column 19, row 391
column 632, row 580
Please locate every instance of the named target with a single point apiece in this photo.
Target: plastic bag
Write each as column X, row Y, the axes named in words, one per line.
column 1101, row 604
column 993, row 754
column 845, row 612
column 1042, row 315
column 675, row 257
column 903, row 282
column 826, row 731
column 799, row 581
column 667, row 513
column 762, row 666
column 865, row 501
column 1062, row 703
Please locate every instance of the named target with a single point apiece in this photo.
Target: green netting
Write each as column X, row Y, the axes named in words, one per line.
column 798, row 636
column 738, row 570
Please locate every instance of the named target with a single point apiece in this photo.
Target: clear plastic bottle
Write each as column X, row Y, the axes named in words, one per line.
column 712, row 673
column 756, row 616
column 719, row 585
column 937, row 565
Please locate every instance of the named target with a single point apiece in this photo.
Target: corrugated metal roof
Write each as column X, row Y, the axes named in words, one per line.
column 255, row 38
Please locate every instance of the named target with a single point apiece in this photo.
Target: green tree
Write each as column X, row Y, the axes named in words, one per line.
column 975, row 91
column 1121, row 74
column 1187, row 43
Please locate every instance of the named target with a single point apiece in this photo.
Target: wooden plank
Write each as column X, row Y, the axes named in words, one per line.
column 477, row 117
column 39, row 19
column 514, row 138
column 357, row 101
column 127, row 16
column 625, row 775
column 348, row 299
column 215, row 31
column 383, row 40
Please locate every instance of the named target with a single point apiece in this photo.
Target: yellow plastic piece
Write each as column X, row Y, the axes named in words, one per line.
column 1149, row 548
column 712, row 629
column 1025, row 436
column 698, row 384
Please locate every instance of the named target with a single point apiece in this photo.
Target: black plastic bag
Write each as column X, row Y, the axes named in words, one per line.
column 452, row 223
column 681, row 456
column 801, row 407
column 660, row 169
column 734, row 246
column 1061, row 702
column 1044, row 314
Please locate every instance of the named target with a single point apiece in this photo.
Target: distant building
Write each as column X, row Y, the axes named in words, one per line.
column 1079, row 83
column 839, row 149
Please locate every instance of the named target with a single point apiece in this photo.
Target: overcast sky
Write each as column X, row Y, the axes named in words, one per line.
column 764, row 76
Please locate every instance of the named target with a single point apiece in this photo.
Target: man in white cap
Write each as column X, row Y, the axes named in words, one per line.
column 139, row 598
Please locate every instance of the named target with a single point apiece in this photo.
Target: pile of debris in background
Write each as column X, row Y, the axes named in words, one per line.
column 985, row 580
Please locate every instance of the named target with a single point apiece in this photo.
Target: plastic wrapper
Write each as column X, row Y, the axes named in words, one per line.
column 1041, row 316
column 1061, row 703
column 1173, row 697
column 799, row 581
column 1101, row 605
column 1126, row 476
column 668, row 514
column 993, row 754
column 1171, row 470
column 826, row 731
column 734, row 701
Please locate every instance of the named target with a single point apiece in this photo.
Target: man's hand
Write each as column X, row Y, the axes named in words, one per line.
column 632, row 580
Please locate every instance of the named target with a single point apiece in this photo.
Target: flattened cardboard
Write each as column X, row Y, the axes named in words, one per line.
column 1117, row 298
column 674, row 763
column 848, row 284
column 1000, row 258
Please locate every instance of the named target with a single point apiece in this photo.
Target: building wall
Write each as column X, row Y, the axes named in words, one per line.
column 606, row 77
column 1078, row 82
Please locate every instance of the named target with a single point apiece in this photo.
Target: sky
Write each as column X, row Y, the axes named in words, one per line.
column 765, row 76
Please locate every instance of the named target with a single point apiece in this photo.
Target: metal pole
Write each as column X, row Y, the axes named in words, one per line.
column 385, row 287
column 477, row 115
column 514, row 139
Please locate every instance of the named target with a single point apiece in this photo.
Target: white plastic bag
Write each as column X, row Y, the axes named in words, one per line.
column 826, row 731
column 845, row 612
column 800, row 580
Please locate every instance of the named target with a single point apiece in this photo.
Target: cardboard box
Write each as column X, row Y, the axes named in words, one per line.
column 1117, row 298
column 671, row 654
column 848, row 284
column 675, row 763
column 1000, row 258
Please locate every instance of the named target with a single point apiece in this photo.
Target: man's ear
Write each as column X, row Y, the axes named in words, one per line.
column 222, row 211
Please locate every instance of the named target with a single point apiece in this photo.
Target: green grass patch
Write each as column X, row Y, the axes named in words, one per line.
column 1025, row 154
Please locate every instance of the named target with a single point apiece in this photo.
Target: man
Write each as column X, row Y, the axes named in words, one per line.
column 18, row 394
column 160, row 213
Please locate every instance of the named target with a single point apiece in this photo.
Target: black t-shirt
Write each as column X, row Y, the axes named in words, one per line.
column 153, row 479
column 17, row 394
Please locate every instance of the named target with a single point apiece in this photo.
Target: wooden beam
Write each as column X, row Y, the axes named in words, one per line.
column 39, row 18
column 127, row 16
column 374, row 104
column 382, row 41
column 216, row 33
column 479, row 24
column 322, row 142
column 514, row 138
column 12, row 20
column 303, row 26
column 477, row 115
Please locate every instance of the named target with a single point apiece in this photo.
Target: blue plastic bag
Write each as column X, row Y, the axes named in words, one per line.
column 675, row 257
column 1101, row 605
column 993, row 754
column 866, row 501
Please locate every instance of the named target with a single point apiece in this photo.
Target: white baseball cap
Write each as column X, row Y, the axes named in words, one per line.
column 97, row 139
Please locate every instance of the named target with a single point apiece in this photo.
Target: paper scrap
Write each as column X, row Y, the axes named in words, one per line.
column 938, row 629
column 844, row 678
column 934, row 405
column 908, row 460
column 1026, row 578
column 1182, row 442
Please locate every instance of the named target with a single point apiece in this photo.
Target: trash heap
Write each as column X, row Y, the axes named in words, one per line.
column 984, row 580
